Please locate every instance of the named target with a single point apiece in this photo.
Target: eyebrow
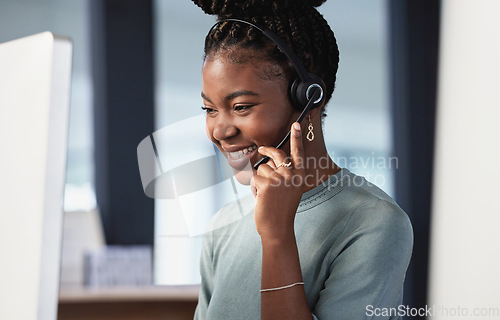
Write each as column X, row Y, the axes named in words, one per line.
column 232, row 95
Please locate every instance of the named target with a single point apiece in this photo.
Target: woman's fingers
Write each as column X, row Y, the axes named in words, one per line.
column 296, row 147
column 265, row 170
column 277, row 156
column 271, row 164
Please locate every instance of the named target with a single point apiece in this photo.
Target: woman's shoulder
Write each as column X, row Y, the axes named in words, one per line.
column 375, row 214
column 375, row 206
column 357, row 203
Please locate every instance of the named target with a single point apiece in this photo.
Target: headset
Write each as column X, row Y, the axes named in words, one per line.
column 306, row 92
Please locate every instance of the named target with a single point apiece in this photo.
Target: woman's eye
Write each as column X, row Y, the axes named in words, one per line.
column 243, row 107
column 207, row 109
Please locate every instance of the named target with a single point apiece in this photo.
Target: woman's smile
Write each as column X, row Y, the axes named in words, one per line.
column 240, row 152
column 244, row 111
column 241, row 157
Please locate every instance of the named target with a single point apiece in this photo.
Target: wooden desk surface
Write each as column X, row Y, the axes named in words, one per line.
column 128, row 303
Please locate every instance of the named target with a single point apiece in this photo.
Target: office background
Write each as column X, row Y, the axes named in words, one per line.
column 137, row 68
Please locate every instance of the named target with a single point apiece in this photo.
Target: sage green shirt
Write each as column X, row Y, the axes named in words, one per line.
column 354, row 246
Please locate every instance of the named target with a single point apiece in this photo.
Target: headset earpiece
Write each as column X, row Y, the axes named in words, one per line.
column 302, row 91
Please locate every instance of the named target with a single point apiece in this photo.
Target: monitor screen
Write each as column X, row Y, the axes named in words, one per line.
column 34, row 102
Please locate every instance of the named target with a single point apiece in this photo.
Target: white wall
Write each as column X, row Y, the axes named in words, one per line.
column 465, row 242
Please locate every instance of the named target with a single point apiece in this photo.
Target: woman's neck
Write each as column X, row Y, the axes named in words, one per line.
column 318, row 164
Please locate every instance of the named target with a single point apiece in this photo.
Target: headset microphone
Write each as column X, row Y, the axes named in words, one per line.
column 307, row 91
column 316, row 95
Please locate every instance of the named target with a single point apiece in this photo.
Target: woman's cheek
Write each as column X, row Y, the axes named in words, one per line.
column 208, row 131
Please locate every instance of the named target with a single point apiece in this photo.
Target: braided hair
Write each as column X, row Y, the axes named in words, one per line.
column 296, row 21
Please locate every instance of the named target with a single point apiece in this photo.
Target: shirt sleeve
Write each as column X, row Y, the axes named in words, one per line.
column 369, row 271
column 206, row 270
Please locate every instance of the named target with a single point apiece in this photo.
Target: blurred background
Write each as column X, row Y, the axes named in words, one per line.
column 137, row 69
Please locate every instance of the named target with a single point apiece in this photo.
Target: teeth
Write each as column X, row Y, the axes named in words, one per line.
column 241, row 153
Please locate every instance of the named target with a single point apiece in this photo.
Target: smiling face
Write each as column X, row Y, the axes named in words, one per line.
column 246, row 108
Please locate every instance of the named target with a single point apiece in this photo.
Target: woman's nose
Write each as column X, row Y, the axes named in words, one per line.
column 224, row 128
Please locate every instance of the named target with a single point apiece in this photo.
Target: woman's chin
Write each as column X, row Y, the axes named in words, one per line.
column 244, row 176
column 242, row 168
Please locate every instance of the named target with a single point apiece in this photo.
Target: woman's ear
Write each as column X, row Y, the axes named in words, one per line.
column 316, row 112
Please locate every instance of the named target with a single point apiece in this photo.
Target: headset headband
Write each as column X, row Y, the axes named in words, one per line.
column 299, row 67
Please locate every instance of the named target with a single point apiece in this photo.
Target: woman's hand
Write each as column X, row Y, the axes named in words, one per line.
column 279, row 188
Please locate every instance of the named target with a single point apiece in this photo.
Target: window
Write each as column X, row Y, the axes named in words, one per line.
column 358, row 123
column 357, row 128
column 68, row 18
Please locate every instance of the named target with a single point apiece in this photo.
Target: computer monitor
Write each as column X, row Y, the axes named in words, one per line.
column 34, row 101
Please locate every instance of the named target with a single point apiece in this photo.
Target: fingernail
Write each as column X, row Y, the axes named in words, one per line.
column 261, row 147
column 296, row 126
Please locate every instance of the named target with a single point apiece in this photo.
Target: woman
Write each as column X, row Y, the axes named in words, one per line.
column 322, row 243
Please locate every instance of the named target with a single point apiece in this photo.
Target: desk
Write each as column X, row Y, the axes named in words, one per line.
column 128, row 303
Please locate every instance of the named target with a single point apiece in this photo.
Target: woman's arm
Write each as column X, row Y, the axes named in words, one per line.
column 278, row 195
column 280, row 267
